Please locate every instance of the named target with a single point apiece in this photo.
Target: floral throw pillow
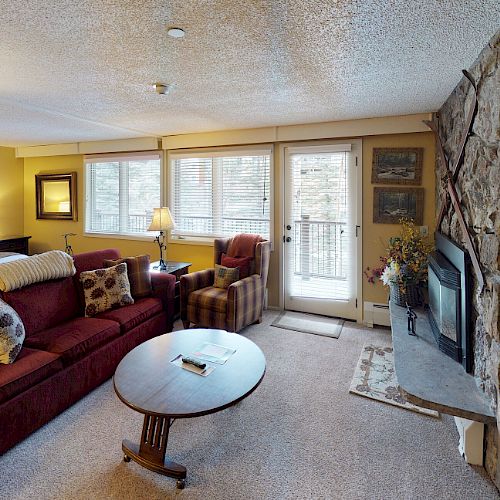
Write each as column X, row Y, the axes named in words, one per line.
column 105, row 289
column 11, row 334
column 225, row 276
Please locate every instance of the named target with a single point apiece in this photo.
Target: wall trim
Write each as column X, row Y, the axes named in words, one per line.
column 91, row 147
column 405, row 124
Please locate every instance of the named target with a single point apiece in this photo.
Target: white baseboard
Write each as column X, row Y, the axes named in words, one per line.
column 376, row 314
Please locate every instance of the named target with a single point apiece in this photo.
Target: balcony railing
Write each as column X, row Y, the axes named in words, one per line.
column 110, row 223
column 228, row 225
column 320, row 249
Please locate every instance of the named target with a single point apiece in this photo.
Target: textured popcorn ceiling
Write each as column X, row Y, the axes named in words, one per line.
column 81, row 70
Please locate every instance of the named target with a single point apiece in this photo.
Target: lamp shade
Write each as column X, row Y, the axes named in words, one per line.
column 162, row 220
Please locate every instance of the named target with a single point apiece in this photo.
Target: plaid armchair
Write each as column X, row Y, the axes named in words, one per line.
column 228, row 309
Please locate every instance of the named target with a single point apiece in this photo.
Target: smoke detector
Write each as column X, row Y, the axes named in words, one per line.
column 176, row 32
column 162, row 88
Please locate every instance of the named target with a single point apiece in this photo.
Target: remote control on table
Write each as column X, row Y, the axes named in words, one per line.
column 193, row 361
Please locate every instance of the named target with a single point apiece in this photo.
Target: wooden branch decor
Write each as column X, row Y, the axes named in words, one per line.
column 451, row 176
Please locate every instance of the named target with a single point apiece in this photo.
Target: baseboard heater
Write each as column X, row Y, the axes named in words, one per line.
column 376, row 314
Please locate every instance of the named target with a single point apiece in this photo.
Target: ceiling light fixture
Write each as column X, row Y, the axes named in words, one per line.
column 162, row 88
column 176, row 32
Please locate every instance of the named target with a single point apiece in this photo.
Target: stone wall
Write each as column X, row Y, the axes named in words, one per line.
column 478, row 184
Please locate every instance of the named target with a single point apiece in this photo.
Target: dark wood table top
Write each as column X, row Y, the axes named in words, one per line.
column 172, row 266
column 148, row 382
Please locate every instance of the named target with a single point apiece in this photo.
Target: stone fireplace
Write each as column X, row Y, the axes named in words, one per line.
column 478, row 185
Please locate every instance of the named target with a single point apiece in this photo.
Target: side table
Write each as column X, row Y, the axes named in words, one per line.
column 177, row 269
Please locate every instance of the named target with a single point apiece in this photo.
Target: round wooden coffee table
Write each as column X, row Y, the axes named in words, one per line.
column 147, row 381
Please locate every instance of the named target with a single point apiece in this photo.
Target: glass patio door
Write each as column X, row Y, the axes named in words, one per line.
column 321, row 226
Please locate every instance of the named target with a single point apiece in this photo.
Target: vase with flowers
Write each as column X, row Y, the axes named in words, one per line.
column 404, row 266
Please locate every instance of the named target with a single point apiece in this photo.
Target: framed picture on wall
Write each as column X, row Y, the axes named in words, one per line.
column 56, row 196
column 397, row 166
column 392, row 203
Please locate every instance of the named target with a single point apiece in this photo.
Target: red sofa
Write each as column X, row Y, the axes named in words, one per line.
column 66, row 355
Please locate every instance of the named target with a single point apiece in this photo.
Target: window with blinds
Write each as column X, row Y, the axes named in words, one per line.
column 221, row 193
column 121, row 192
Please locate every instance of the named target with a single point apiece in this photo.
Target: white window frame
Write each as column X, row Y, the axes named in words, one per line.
column 254, row 150
column 88, row 159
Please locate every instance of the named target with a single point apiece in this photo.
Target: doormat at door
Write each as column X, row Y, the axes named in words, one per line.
column 309, row 323
column 375, row 378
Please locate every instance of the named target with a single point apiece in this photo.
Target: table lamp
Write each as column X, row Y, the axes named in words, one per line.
column 162, row 221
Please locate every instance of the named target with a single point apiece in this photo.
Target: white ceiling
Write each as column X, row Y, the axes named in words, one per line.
column 81, row 70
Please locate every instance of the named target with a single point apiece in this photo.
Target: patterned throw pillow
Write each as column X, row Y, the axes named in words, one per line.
column 138, row 274
column 242, row 263
column 105, row 289
column 11, row 334
column 224, row 276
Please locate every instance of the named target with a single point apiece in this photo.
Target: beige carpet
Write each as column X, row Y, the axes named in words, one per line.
column 300, row 435
column 375, row 378
column 309, row 323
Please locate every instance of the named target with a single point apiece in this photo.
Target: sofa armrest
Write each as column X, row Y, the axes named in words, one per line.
column 194, row 281
column 163, row 286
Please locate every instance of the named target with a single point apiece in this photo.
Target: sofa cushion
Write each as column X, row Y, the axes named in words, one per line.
column 44, row 305
column 211, row 298
column 11, row 334
column 138, row 274
column 130, row 316
column 106, row 289
column 75, row 338
column 31, row 366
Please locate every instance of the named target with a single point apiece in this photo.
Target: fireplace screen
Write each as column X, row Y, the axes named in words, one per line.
column 444, row 303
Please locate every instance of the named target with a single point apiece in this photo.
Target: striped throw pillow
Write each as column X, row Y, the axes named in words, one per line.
column 138, row 274
column 224, row 276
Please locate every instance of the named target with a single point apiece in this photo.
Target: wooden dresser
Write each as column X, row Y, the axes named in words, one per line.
column 17, row 244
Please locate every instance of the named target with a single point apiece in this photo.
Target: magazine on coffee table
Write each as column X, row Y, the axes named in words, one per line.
column 214, row 353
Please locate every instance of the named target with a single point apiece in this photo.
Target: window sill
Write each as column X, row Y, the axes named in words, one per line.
column 121, row 236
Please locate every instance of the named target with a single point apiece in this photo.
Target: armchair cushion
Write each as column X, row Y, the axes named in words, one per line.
column 209, row 298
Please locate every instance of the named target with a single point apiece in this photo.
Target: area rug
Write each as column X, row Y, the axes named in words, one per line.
column 309, row 323
column 375, row 378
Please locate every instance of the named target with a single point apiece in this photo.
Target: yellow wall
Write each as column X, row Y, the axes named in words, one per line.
column 47, row 234
column 11, row 193
column 376, row 236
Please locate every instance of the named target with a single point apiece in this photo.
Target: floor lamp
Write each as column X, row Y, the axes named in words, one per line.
column 162, row 221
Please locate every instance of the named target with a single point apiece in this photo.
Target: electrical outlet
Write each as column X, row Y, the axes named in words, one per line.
column 424, row 231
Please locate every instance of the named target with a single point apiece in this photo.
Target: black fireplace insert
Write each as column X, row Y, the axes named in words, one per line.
column 449, row 300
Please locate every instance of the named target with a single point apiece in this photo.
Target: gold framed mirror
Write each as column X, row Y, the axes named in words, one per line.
column 56, row 196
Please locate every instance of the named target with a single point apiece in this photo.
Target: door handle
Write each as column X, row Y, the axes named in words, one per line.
column 289, row 227
column 288, row 239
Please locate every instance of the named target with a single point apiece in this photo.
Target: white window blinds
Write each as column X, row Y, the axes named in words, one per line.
column 121, row 192
column 221, row 193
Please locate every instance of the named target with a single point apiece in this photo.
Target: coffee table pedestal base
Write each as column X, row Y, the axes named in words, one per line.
column 152, row 449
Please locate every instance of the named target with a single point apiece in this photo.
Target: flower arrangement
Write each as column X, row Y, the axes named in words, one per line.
column 405, row 262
